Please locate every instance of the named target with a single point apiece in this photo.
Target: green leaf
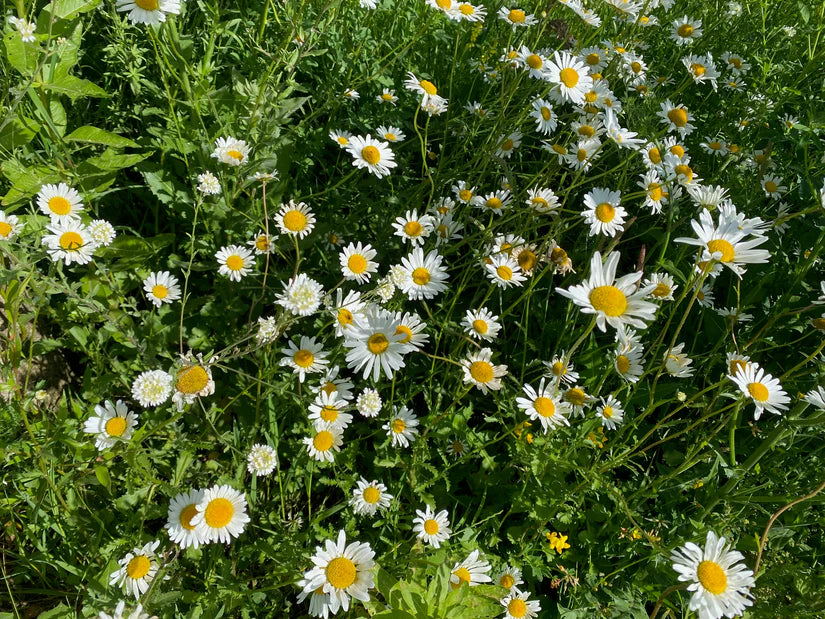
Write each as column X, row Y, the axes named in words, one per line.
column 22, row 56
column 102, row 474
column 113, row 160
column 58, row 612
column 66, row 9
column 74, row 87
column 25, row 181
column 58, row 114
column 93, row 135
column 19, row 131
column 393, row 614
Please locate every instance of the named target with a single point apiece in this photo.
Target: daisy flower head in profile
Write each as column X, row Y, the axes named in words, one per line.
column 816, row 398
column 412, row 327
column 616, row 302
column 148, row 11
column 344, row 309
column 349, row 93
column 261, row 460
column 542, row 200
column 677, row 363
column 425, row 88
column 402, row 427
column 424, row 276
column 508, row 144
column 481, row 372
column 481, row 324
column 602, row 211
column 161, row 287
column 370, row 497
column 341, row 138
column 182, row 508
column 664, row 286
column 628, row 361
column 70, row 242
column 342, row 571
column 111, row 423
column 301, row 295
column 234, row 261
column 374, row 343
column 762, row 388
column 221, row 514
column 471, row 12
column 230, row 151
column 308, row 358
column 373, row 155
column 333, row 384
column 432, row 528
column 137, row 570
column 296, row 220
column 545, row 405
column 60, row 202
column 471, row 570
column 10, row 226
column 152, row 388
column 561, row 369
column 517, row 605
column 516, row 18
column 718, row 578
column 391, row 134
column 571, row 77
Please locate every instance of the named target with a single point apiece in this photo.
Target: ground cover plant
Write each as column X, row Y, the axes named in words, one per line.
column 412, row 309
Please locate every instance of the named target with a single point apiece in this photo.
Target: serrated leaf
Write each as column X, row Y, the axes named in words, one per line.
column 94, row 135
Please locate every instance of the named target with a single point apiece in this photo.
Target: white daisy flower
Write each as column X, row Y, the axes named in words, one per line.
column 677, row 118
column 422, row 87
column 375, row 343
column 402, row 427
column 463, row 192
column 70, row 242
column 561, row 371
column 234, row 261
column 413, row 228
column 663, row 286
column 221, row 514
column 602, row 211
column 182, row 508
column 308, row 358
column 471, row 570
column 518, row 606
column 508, row 577
column 152, row 388
column 193, row 380
column 390, row 133
column 545, row 405
column 228, row 150
column 369, row 402
column 370, row 497
column 516, row 18
column 261, row 459
column 479, row 371
column 137, row 570
column 542, row 200
column 686, row 30
column 628, row 361
column 504, row 271
column 295, row 220
column 161, row 287
column 481, row 324
column 341, row 138
column 495, row 202
column 412, row 327
column 610, row 413
column 102, row 232
column 387, row 97
column 571, row 77
column 816, row 397
column 208, row 184
column 371, row 154
column 677, row 363
column 325, row 441
column 9, row 226
column 120, row 613
column 327, row 409
column 424, row 276
column 765, row 391
column 301, row 296
column 432, row 528
column 110, row 424
column 148, row 11
column 344, row 309
column 508, row 144
column 332, row 384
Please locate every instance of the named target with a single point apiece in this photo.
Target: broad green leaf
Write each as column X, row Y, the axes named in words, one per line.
column 74, row 87
column 66, row 9
column 93, row 135
column 19, row 131
column 22, row 56
column 58, row 113
column 102, row 474
column 25, row 181
column 113, row 160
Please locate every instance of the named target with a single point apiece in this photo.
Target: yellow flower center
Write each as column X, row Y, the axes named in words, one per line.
column 575, row 396
column 759, row 392
column 412, row 228
column 186, row 515
column 534, row 61
column 59, row 205
column 818, row 323
column 421, row 276
column 734, row 148
column 544, row 406
column 116, row 426
column 386, row 96
column 539, row 201
column 329, row 388
column 431, row 527
column 636, row 66
column 480, row 326
column 192, row 379
column 371, row 155
column 234, row 262
column 546, row 114
column 71, row 241
column 444, row 4
column 587, row 131
column 654, row 155
column 303, row 358
column 661, row 290
column 371, row 495
column 591, row 97
column 406, row 331
column 678, row 116
column 357, row 263
column 398, row 425
column 467, row 9
column 569, row 77
column 722, row 246
column 428, row 87
column 138, row 567
column 504, row 272
column 5, row 229
column 684, row 170
column 516, row 16
column 736, row 62
column 329, row 413
column 715, row 145
column 343, row 141
column 507, row 145
column 685, row 30
column 506, row 581
column 697, row 69
column 262, row 243
column 377, row 343
column 345, row 316
column 592, row 59
column 481, row 371
column 235, row 154
column 605, row 212
column 323, row 440
column 608, row 299
column 295, row 221
column 390, row 137
column 558, row 148
column 526, row 259
column 219, row 513
column 737, row 364
column 465, row 195
column 655, row 192
column 341, row 572
column 517, row 608
column 712, row 577
column 494, row 203
column 622, row 364
column 770, row 186
column 581, row 154
column 607, row 412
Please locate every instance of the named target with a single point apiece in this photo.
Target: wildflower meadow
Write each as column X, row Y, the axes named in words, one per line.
column 412, row 309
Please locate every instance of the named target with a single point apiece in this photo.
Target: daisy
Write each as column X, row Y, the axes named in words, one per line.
column 714, row 146
column 318, row 600
column 663, row 286
column 545, row 405
column 309, row 358
column 623, row 137
column 773, row 187
column 422, row 87
column 221, row 514
column 517, row 605
column 344, row 309
column 120, row 610
column 369, row 402
column 371, row 154
column 148, row 11
column 479, row 371
column 516, row 18
column 531, row 61
column 390, row 133
column 542, row 200
column 676, row 117
column 370, row 497
column 111, row 423
column 341, row 138
column 765, row 391
column 349, row 93
column 262, row 243
column 193, row 380
column 356, row 262
column 577, row 399
column 718, row 579
column 375, row 343
column 504, row 271
column 413, row 228
column 562, row 371
column 602, row 211
column 677, row 363
column 161, row 287
column 9, row 226
column 686, row 30
column 152, row 388
column 470, row 12
column 628, row 362
column 816, row 397
column 508, row 144
column 615, row 302
column 182, row 508
column 509, row 577
column 472, row 570
column 610, row 412
column 301, row 295
column 424, row 276
column 102, row 232
column 234, row 261
column 208, row 184
column 327, row 409
column 230, row 151
column 701, row 68
column 571, row 77
column 432, row 528
column 295, row 220
column 402, row 427
column 325, row 441
column 495, row 202
column 463, row 192
column 736, row 64
column 656, row 193
column 481, row 324
column 457, row 448
column 70, row 242
column 341, row 571
column 261, row 459
column 412, row 327
column 137, row 570
column 387, row 97
column 583, row 156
